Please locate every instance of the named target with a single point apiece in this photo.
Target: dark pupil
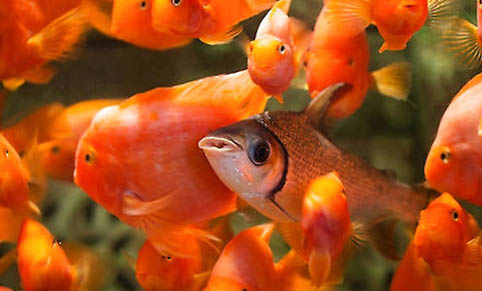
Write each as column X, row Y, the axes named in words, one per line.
column 55, row 149
column 6, row 153
column 167, row 258
column 87, row 158
column 245, row 289
column 455, row 215
column 282, row 49
column 143, row 4
column 444, row 156
column 176, row 2
column 259, row 152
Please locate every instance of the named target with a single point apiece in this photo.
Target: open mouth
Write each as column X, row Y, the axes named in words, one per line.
column 219, row 144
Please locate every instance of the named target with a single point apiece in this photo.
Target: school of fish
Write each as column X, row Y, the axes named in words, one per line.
column 175, row 162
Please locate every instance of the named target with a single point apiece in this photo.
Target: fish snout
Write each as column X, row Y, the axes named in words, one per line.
column 212, row 144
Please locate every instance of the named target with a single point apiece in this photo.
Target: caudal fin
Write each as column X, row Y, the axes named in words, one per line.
column 58, row 39
column 394, row 80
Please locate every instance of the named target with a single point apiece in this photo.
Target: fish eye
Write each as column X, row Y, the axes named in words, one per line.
column 89, row 158
column 176, row 2
column 281, row 49
column 258, row 152
column 245, row 289
column 167, row 258
column 55, row 149
column 445, row 156
column 455, row 215
column 7, row 153
column 57, row 242
column 143, row 4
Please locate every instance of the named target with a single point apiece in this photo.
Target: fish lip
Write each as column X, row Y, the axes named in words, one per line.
column 219, row 144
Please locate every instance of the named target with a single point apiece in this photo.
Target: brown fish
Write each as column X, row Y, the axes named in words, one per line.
column 270, row 159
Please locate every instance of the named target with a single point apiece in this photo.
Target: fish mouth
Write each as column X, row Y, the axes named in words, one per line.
column 219, row 144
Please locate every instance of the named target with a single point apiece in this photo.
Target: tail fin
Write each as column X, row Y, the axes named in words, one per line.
column 462, row 40
column 394, row 80
column 58, row 39
column 90, row 272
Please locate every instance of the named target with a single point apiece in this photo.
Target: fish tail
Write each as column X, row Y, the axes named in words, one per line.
column 58, row 39
column 394, row 80
column 319, row 266
column 462, row 40
column 352, row 16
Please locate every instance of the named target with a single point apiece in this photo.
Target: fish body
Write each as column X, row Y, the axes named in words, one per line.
column 34, row 36
column 246, row 263
column 274, row 57
column 42, row 263
column 326, row 224
column 154, row 134
column 132, row 22
column 446, row 252
column 211, row 21
column 454, row 161
column 270, row 159
column 396, row 20
column 336, row 56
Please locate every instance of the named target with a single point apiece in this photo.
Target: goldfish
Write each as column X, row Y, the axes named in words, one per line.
column 397, row 20
column 44, row 265
column 464, row 39
column 336, row 56
column 158, row 272
column 170, row 185
column 31, row 38
column 213, row 22
column 325, row 221
column 446, row 251
column 275, row 56
column 246, row 263
column 453, row 162
column 132, row 22
column 270, row 159
column 64, row 131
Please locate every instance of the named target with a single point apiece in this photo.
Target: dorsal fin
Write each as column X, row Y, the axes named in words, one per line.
column 317, row 108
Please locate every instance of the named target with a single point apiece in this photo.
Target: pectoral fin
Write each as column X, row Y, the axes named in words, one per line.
column 318, row 106
column 222, row 38
column 319, row 266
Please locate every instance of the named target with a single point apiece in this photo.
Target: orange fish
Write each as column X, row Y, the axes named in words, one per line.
column 446, row 252
column 396, row 20
column 246, row 263
column 132, row 22
column 170, row 184
column 5, row 289
column 275, row 55
column 337, row 57
column 326, row 224
column 464, row 39
column 31, row 39
column 64, row 132
column 453, row 163
column 42, row 264
column 212, row 21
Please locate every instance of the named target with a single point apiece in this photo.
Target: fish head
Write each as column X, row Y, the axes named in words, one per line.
column 325, row 216
column 271, row 63
column 97, row 160
column 248, row 159
column 401, row 17
column 443, row 230
column 246, row 262
column 446, row 170
column 58, row 157
column 164, row 272
column 131, row 17
column 184, row 17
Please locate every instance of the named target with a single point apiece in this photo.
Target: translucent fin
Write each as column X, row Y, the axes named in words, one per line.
column 353, row 16
column 134, row 206
column 462, row 40
column 39, row 75
column 7, row 260
column 222, row 38
column 382, row 236
column 58, row 39
column 394, row 80
column 317, row 108
column 37, row 180
column 441, row 13
column 473, row 251
column 13, row 84
column 200, row 280
column 243, row 41
column 292, row 261
column 293, row 235
column 319, row 266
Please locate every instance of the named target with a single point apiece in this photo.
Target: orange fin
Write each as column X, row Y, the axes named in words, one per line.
column 13, row 84
column 134, row 206
column 99, row 14
column 284, row 5
column 293, row 234
column 279, row 98
column 200, row 280
column 58, row 39
column 354, row 15
column 9, row 225
column 222, row 38
column 39, row 75
column 442, row 13
column 462, row 40
column 394, row 80
column 37, row 181
column 292, row 261
column 319, row 266
column 473, row 251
